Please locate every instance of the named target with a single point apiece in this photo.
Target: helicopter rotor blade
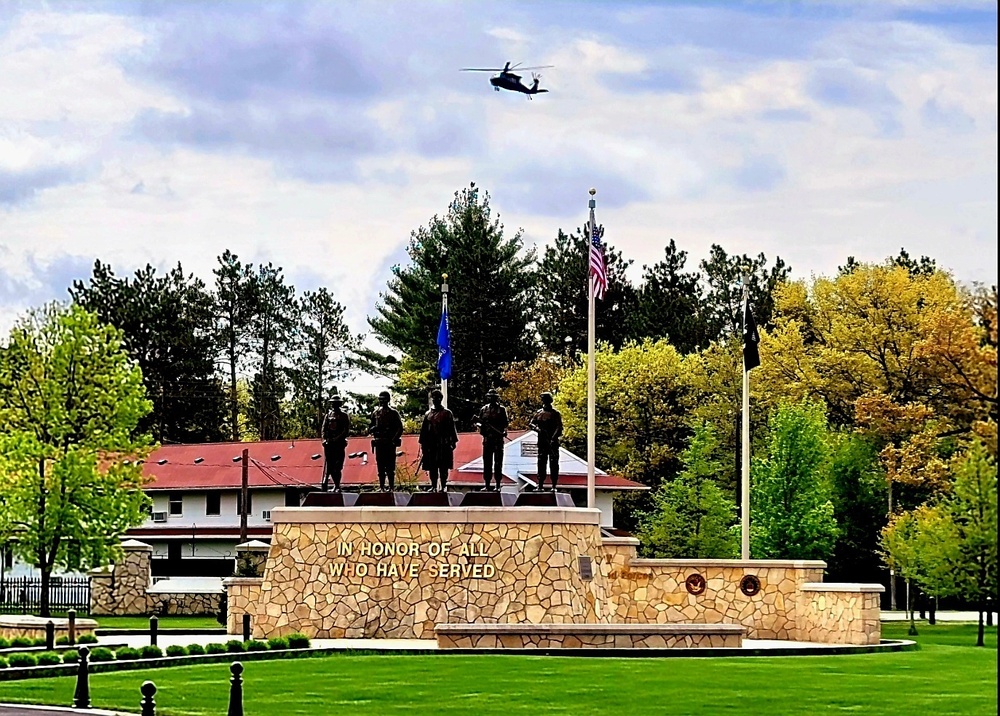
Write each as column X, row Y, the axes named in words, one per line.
column 481, row 69
column 538, row 67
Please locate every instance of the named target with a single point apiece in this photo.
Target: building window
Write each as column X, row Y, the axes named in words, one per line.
column 212, row 504
column 291, row 498
column 174, row 551
column 239, row 502
column 176, row 505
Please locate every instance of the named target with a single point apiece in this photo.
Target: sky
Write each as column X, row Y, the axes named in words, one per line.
column 318, row 135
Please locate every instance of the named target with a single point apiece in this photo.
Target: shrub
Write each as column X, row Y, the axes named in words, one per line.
column 3, row 663
column 64, row 639
column 195, row 650
column 278, row 642
column 86, row 639
column 72, row 656
column 176, row 650
column 215, row 648
column 49, row 658
column 101, row 653
column 298, row 641
column 150, row 652
column 22, row 660
column 255, row 645
column 39, row 641
column 4, row 643
column 234, row 646
column 22, row 641
column 126, row 653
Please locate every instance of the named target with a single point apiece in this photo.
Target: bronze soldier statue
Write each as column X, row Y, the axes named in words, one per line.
column 493, row 422
column 547, row 422
column 336, row 428
column 438, row 438
column 386, row 429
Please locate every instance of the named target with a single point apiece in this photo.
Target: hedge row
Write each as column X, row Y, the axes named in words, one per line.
column 126, row 653
column 23, row 642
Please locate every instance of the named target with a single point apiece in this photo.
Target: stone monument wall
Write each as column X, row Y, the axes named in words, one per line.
column 396, row 572
column 656, row 591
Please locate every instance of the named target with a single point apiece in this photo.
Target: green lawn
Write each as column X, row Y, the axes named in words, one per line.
column 164, row 622
column 947, row 676
column 170, row 622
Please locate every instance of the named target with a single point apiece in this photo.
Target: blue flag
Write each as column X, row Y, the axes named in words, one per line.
column 444, row 347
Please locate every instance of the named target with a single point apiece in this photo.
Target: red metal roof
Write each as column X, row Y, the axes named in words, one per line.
column 295, row 466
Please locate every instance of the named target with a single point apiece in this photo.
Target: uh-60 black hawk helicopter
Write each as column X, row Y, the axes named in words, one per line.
column 506, row 79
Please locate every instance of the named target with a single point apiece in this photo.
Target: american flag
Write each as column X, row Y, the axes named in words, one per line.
column 598, row 269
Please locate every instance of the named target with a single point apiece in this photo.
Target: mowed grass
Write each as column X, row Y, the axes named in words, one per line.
column 947, row 676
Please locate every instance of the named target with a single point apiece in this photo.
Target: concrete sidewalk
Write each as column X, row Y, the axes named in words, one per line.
column 901, row 616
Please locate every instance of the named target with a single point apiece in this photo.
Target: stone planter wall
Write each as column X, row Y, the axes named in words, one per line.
column 126, row 589
column 13, row 626
column 840, row 613
column 243, row 594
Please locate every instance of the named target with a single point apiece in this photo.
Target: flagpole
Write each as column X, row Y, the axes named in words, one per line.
column 745, row 446
column 444, row 310
column 591, row 374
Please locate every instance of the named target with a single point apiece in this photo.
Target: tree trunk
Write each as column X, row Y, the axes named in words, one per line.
column 43, row 607
column 980, row 634
column 234, row 406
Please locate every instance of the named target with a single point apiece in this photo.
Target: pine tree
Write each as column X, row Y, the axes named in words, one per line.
column 489, row 278
column 235, row 303
column 560, row 297
column 167, row 326
column 273, row 330
column 670, row 303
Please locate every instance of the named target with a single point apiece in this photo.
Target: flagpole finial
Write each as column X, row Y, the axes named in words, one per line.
column 593, row 191
column 444, row 276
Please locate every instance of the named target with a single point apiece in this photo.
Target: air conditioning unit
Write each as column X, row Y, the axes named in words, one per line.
column 159, row 517
column 266, row 514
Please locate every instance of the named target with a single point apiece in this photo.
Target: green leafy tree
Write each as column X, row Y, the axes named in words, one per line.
column 235, row 303
column 858, row 491
column 560, row 297
column 70, row 402
column 691, row 517
column 323, row 357
column 670, row 303
column 167, row 324
column 950, row 548
column 489, row 278
column 643, row 397
column 792, row 516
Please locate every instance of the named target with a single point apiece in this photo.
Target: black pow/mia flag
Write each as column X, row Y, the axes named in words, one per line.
column 751, row 355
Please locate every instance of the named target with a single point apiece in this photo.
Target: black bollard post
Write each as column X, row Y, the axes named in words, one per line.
column 71, row 626
column 236, row 690
column 147, row 704
column 81, row 697
column 50, row 635
column 932, row 612
column 154, row 624
column 246, row 627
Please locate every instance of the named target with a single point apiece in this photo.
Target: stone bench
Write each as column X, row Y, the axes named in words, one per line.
column 589, row 636
column 15, row 625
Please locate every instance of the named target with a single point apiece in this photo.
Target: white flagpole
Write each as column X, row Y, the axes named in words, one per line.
column 591, row 371
column 444, row 309
column 745, row 445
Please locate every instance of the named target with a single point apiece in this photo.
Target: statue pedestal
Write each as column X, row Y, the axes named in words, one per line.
column 382, row 499
column 544, row 499
column 488, row 499
column 330, row 499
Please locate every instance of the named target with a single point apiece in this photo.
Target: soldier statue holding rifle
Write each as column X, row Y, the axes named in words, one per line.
column 547, row 422
column 492, row 422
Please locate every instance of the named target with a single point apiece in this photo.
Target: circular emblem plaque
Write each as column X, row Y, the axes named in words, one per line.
column 749, row 585
column 695, row 583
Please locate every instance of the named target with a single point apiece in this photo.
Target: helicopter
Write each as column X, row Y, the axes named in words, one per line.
column 506, row 79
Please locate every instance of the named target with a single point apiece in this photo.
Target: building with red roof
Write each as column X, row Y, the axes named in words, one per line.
column 194, row 525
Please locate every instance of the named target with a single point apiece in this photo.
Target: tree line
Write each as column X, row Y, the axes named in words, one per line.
column 873, row 413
